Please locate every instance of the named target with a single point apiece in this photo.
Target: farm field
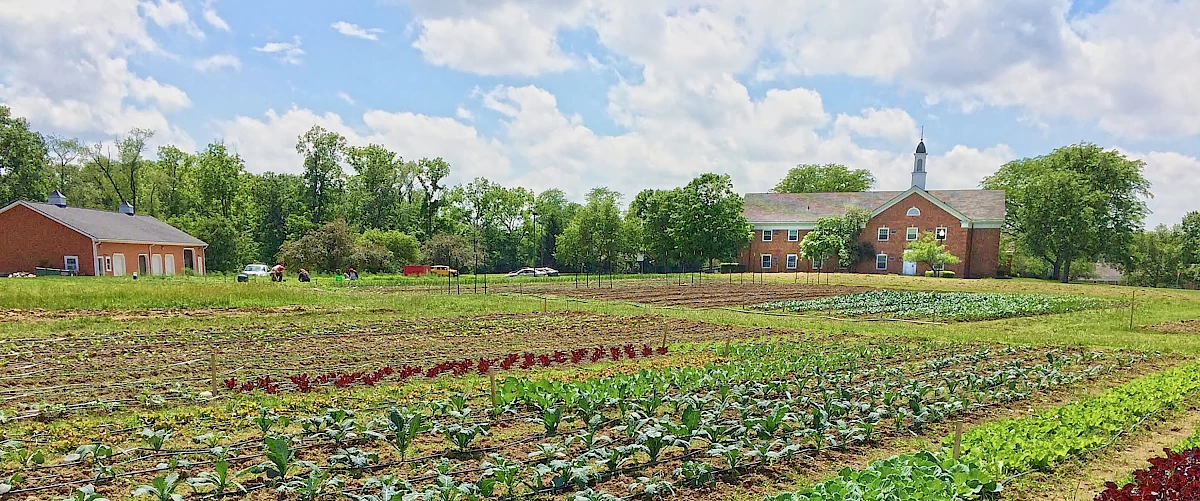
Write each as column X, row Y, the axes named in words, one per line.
column 953, row 306
column 368, row 392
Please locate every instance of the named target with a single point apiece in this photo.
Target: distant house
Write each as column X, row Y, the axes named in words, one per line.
column 93, row 242
column 967, row 222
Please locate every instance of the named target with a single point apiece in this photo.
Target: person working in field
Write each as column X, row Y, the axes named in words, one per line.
column 277, row 273
column 303, row 275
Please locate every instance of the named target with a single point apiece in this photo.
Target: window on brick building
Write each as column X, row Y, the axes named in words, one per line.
column 940, row 233
column 913, row 211
column 816, row 265
column 766, row 261
column 767, row 234
column 913, row 233
column 792, row 259
column 793, row 235
column 881, row 262
column 883, row 234
column 71, row 263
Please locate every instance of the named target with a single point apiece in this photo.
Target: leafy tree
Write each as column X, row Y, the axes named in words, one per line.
column 553, row 211
column 64, row 152
column 447, row 249
column 370, row 256
column 814, row 178
column 653, row 209
column 229, row 248
column 176, row 166
column 218, row 177
column 1190, row 234
column 836, row 236
column 430, row 173
column 594, row 235
column 376, row 187
column 23, row 172
column 326, row 248
column 926, row 249
column 1158, row 258
column 1078, row 202
column 707, row 220
column 402, row 248
column 279, row 212
column 323, row 178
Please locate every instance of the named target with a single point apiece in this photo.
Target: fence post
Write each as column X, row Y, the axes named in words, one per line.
column 664, row 333
column 957, row 439
column 1132, row 302
column 495, row 404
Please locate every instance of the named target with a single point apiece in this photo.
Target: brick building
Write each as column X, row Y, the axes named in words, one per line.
column 966, row 221
column 93, row 242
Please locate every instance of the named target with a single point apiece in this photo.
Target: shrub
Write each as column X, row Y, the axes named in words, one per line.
column 326, row 248
column 943, row 274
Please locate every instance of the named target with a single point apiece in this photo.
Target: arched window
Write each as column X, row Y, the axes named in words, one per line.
column 920, row 165
column 914, row 212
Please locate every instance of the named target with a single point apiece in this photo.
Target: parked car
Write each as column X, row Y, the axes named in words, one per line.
column 442, row 270
column 524, row 272
column 256, row 270
column 549, row 272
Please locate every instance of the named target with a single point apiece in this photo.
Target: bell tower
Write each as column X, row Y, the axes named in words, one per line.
column 918, row 174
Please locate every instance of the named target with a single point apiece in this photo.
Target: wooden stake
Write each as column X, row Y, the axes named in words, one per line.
column 543, row 304
column 1132, row 302
column 664, row 330
column 212, row 372
column 495, row 404
column 957, row 439
column 727, row 346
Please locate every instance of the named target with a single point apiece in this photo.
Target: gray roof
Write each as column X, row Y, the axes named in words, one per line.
column 976, row 205
column 114, row 226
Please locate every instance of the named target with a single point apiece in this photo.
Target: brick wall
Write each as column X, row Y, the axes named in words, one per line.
column 131, row 252
column 29, row 240
column 977, row 248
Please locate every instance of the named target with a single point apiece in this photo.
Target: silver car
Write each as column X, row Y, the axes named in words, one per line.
column 256, row 270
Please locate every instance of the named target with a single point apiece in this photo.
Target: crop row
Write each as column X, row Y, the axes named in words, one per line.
column 790, row 404
column 964, row 306
column 1034, row 443
column 303, row 382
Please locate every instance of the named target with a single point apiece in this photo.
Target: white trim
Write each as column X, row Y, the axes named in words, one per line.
column 768, row 259
column 911, row 210
column 124, row 264
column 791, row 262
column 790, row 233
column 816, row 265
column 944, row 230
column 924, row 194
column 768, row 235
column 908, row 234
column 139, row 264
column 985, row 225
column 887, row 234
column 885, row 262
column 139, row 242
column 67, row 267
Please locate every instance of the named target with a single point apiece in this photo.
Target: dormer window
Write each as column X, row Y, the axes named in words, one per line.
column 913, row 212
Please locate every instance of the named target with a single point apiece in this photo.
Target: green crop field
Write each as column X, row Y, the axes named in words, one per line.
column 641, row 387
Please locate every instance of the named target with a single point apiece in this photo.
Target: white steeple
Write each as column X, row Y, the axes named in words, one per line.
column 918, row 174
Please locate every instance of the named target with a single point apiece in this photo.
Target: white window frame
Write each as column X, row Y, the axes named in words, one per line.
column 944, row 230
column 792, row 261
column 793, row 235
column 883, row 234
column 766, row 261
column 67, row 259
column 910, row 235
column 108, row 264
column 885, row 262
column 913, row 212
column 816, row 265
column 768, row 235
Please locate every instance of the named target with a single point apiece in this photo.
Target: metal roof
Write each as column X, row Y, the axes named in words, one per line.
column 977, row 205
column 114, row 226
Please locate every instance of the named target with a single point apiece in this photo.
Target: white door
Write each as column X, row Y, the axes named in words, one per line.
column 118, row 265
column 169, row 263
column 910, row 268
column 156, row 264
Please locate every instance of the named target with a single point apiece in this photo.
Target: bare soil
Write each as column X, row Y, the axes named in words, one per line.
column 706, row 295
column 19, row 315
column 1180, row 327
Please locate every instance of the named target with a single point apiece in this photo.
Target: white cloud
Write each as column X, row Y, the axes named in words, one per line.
column 166, row 14
column 892, row 124
column 356, row 31
column 1174, row 182
column 217, row 62
column 286, row 52
column 346, row 97
column 464, row 114
column 213, row 19
column 506, row 40
column 66, row 66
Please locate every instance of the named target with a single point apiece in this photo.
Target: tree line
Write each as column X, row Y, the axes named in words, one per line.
column 368, row 207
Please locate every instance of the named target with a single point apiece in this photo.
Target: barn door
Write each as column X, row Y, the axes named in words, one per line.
column 143, row 264
column 118, row 265
column 169, row 264
column 156, row 264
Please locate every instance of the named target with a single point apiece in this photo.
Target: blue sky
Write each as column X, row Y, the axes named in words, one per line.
column 626, row 93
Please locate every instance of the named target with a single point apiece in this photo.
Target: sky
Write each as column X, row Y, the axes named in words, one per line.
column 629, row 94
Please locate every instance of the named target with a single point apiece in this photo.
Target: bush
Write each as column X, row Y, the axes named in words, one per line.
column 372, row 257
column 404, row 248
column 326, row 248
column 944, row 274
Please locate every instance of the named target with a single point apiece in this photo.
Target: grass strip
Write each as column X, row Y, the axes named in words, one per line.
column 921, row 476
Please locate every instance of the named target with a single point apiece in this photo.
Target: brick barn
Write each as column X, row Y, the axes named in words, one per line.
column 966, row 221
column 93, row 242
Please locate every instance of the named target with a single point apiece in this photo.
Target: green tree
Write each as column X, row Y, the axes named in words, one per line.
column 279, row 212
column 707, row 221
column 447, row 249
column 402, row 248
column 836, row 236
column 176, row 166
column 65, row 152
column 1158, row 258
column 654, row 209
column 218, row 177
column 815, row 178
column 23, row 169
column 376, row 186
column 926, row 249
column 1078, row 202
column 327, row 248
column 594, row 235
column 1189, row 230
column 430, row 173
column 553, row 211
column 323, row 177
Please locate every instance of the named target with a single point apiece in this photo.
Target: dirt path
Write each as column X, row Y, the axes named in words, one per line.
column 1086, row 478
